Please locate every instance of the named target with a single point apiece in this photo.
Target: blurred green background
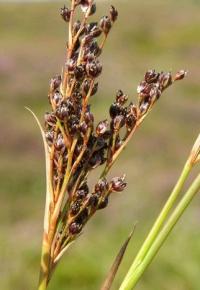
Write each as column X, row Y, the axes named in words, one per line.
column 149, row 34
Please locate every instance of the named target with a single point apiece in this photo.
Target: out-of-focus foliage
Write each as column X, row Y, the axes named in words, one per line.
column 155, row 34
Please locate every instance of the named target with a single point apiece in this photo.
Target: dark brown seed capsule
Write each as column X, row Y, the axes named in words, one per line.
column 144, row 107
column 118, row 184
column 59, row 144
column 57, row 97
column 83, row 127
column 82, row 217
column 151, row 76
column 94, row 89
column 75, row 228
column 55, row 83
column 81, row 194
column 65, row 13
column 165, row 80
column 49, row 137
column 84, row 5
column 117, row 123
column 89, row 118
column 102, row 127
column 101, row 186
column 121, row 98
column 95, row 49
column 85, row 188
column 62, row 111
column 130, row 121
column 74, row 208
column 93, row 200
column 50, row 118
column 93, row 69
column 93, row 9
column 115, row 110
column 70, row 65
column 103, row 204
column 79, row 72
column 105, row 24
column 113, row 13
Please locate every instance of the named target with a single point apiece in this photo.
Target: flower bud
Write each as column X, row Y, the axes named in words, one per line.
column 105, row 24
column 65, row 13
column 113, row 13
column 102, row 127
column 118, row 184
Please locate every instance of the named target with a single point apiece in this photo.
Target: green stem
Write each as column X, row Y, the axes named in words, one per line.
column 44, row 267
column 162, row 217
column 133, row 277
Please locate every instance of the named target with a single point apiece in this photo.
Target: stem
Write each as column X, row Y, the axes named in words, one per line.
column 162, row 217
column 44, row 267
column 132, row 278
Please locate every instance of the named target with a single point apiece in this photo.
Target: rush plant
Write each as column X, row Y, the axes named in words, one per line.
column 75, row 145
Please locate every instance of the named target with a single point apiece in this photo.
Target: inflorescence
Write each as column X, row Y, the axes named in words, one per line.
column 76, row 145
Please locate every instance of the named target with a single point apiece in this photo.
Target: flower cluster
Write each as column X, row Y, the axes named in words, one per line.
column 76, row 145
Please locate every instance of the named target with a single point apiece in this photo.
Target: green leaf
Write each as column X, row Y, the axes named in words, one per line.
column 115, row 266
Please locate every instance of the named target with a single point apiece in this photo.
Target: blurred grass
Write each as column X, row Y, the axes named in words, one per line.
column 155, row 34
